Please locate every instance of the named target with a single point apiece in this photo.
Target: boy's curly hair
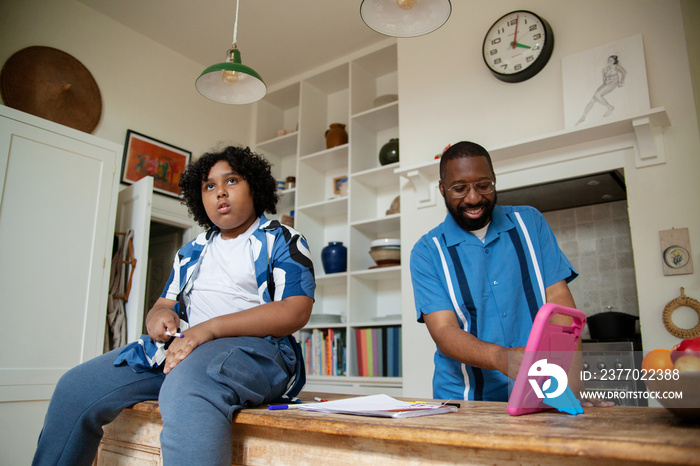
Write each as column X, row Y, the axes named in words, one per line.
column 251, row 166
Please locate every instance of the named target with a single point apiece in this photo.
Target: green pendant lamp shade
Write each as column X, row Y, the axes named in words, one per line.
column 231, row 82
column 405, row 18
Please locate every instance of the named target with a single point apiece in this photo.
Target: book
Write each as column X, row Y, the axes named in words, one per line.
column 369, row 370
column 378, row 406
column 376, row 354
column 391, row 352
column 383, row 355
column 361, row 352
column 328, row 368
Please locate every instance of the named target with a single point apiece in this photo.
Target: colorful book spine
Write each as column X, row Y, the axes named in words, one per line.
column 370, row 351
column 377, row 351
column 324, row 351
column 385, row 352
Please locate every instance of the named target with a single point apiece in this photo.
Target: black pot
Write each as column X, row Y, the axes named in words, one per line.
column 612, row 325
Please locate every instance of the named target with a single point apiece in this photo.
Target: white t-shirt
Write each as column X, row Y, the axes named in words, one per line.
column 481, row 233
column 225, row 282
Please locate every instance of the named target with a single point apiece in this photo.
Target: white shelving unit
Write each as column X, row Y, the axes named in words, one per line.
column 362, row 297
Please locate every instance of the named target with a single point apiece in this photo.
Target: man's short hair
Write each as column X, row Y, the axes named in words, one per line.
column 461, row 150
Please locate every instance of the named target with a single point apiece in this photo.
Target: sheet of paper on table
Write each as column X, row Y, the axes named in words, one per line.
column 378, row 406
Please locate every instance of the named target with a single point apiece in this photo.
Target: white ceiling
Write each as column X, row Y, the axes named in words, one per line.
column 277, row 38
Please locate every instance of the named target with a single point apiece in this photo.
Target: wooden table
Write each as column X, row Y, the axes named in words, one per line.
column 480, row 433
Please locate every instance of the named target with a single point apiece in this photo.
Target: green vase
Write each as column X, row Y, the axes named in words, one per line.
column 389, row 153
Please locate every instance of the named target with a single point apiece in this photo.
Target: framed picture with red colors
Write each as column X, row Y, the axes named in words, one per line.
column 145, row 156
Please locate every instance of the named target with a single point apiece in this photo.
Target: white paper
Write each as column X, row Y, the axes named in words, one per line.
column 378, row 405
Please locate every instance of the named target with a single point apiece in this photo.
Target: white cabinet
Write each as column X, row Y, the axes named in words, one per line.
column 58, row 190
column 58, row 215
column 290, row 131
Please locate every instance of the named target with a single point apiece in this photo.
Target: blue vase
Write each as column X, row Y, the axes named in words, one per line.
column 334, row 257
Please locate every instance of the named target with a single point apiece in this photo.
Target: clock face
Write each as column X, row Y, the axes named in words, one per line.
column 518, row 46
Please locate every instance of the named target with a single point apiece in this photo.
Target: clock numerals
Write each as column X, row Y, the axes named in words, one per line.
column 518, row 46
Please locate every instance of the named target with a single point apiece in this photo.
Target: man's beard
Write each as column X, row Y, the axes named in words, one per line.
column 472, row 224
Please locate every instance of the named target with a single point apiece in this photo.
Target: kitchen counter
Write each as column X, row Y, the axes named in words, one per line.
column 479, row 433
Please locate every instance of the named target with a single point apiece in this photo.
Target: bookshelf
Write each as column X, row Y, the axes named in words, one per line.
column 290, row 131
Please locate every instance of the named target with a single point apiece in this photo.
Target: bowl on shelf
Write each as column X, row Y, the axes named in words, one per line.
column 688, row 383
column 385, row 99
column 386, row 242
column 385, row 256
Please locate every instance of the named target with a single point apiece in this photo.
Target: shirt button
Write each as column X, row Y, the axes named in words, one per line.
column 495, row 282
column 486, row 251
column 504, row 314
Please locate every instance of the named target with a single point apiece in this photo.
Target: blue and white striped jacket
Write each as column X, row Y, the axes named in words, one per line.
column 283, row 268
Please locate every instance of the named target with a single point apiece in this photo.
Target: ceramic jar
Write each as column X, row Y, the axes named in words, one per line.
column 336, row 135
column 389, row 153
column 334, row 257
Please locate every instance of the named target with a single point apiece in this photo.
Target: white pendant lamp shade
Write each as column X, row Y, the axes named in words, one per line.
column 405, row 18
column 231, row 82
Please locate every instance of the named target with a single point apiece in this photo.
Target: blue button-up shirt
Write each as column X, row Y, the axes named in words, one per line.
column 499, row 273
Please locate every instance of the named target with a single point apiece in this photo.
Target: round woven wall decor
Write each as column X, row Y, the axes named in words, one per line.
column 682, row 301
column 51, row 84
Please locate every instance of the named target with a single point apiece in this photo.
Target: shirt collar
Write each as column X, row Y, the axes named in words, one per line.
column 455, row 234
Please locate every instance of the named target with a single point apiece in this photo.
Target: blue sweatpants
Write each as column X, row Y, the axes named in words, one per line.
column 197, row 400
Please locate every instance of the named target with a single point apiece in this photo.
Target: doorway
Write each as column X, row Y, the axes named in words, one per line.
column 164, row 242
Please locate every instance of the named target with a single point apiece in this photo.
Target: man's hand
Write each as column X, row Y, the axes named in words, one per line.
column 515, row 358
column 466, row 348
column 595, row 403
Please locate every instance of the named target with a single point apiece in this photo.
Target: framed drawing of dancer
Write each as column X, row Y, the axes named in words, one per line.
column 605, row 83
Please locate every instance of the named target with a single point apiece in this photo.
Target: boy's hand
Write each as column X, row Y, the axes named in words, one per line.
column 180, row 348
column 162, row 320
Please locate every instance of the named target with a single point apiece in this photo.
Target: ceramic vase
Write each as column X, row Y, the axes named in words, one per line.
column 334, row 257
column 389, row 153
column 336, row 135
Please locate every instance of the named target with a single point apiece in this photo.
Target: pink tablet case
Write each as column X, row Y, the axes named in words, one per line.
column 556, row 344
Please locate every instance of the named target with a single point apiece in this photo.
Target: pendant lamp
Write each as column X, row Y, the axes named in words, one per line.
column 231, row 82
column 405, row 18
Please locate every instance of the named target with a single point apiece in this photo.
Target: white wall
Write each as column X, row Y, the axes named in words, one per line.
column 145, row 87
column 447, row 95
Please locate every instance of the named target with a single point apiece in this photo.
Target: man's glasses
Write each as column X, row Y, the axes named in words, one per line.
column 460, row 190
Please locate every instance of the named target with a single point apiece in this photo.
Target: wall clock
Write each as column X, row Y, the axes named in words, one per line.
column 518, row 46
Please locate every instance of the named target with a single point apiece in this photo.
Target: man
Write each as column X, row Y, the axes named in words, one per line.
column 480, row 277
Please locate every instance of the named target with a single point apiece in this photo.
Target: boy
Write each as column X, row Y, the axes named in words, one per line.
column 234, row 296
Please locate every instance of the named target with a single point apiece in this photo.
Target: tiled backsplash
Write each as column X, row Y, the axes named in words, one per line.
column 597, row 241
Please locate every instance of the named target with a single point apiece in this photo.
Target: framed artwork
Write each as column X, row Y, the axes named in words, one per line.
column 145, row 156
column 605, row 83
column 340, row 185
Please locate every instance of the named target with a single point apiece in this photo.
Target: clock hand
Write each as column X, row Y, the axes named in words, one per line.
column 516, row 44
column 515, row 36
